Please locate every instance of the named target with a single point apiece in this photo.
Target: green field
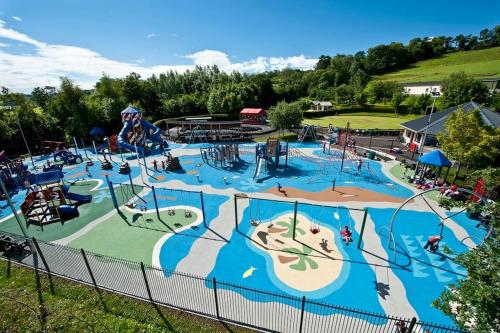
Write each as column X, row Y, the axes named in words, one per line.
column 362, row 120
column 479, row 63
column 79, row 308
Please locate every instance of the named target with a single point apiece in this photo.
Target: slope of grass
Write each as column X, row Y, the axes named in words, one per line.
column 78, row 308
column 479, row 63
column 362, row 120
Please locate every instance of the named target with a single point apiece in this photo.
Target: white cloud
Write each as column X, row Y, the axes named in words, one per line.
column 48, row 62
column 17, row 18
column 4, row 45
column 151, row 35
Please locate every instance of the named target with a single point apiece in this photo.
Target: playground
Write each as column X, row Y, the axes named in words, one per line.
column 303, row 219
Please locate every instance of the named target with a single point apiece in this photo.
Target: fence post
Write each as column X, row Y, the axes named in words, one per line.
column 216, row 299
column 412, row 324
column 302, row 313
column 156, row 203
column 203, row 209
column 148, row 290
column 94, row 282
column 294, row 219
column 49, row 274
column 88, row 268
column 362, row 228
column 236, row 211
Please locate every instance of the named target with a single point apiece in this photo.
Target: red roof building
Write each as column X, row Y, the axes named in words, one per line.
column 253, row 116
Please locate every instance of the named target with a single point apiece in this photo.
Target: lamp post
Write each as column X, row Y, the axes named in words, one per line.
column 434, row 94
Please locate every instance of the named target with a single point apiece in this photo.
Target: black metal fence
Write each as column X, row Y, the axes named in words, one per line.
column 262, row 310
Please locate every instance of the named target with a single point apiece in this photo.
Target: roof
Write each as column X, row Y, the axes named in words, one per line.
column 252, row 111
column 322, row 103
column 438, row 119
column 435, row 157
column 130, row 110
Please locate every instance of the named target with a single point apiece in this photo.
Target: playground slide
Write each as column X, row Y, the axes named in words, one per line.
column 68, row 212
column 259, row 167
column 153, row 133
column 79, row 198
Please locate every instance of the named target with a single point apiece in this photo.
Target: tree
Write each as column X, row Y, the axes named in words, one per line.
column 231, row 98
column 466, row 138
column 381, row 91
column 418, row 104
column 323, row 62
column 397, row 99
column 460, row 88
column 285, row 115
column 473, row 301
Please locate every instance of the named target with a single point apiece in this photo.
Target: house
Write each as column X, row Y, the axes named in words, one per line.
column 320, row 106
column 414, row 130
column 422, row 88
column 253, row 116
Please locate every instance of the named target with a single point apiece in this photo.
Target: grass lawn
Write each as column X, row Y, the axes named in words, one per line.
column 131, row 236
column 479, row 63
column 362, row 120
column 286, row 136
column 100, row 205
column 78, row 308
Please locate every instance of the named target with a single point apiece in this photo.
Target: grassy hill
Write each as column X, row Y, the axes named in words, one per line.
column 480, row 64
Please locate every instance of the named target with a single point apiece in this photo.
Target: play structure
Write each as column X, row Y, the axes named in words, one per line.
column 67, row 157
column 137, row 133
column 48, row 201
column 221, row 154
column 172, row 163
column 307, row 132
column 50, row 146
column 269, row 154
column 13, row 172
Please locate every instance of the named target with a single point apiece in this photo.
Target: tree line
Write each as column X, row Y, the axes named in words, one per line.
column 51, row 113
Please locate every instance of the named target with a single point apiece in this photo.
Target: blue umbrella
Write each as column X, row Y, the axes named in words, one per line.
column 436, row 158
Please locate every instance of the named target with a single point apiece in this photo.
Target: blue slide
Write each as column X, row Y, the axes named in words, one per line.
column 153, row 133
column 79, row 198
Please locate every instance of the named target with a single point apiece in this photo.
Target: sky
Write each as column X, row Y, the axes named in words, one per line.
column 40, row 41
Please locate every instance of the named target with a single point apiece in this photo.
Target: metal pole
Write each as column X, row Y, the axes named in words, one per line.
column 148, row 290
column 412, row 324
column 362, row 228
column 302, row 313
column 203, row 209
column 95, row 149
column 236, row 211
column 333, row 185
column 216, row 298
column 11, row 205
column 25, row 142
column 156, row 202
column 428, row 122
column 295, row 219
column 84, row 149
column 345, row 145
column 76, row 146
column 49, row 274
column 139, row 163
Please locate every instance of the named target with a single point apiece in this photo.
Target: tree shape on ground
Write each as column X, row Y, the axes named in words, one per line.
column 304, row 259
column 289, row 226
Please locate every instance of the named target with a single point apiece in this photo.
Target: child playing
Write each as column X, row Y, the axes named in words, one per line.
column 346, row 235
